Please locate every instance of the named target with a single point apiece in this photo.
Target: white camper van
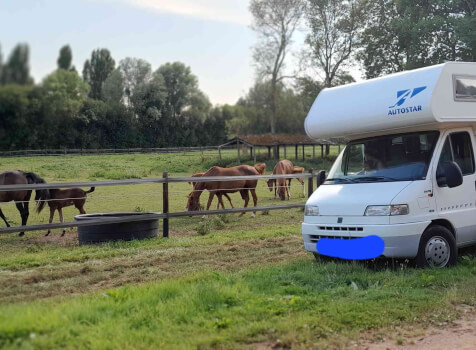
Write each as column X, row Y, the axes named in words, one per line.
column 407, row 174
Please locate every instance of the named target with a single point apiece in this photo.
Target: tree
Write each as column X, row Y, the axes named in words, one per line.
column 113, row 88
column 135, row 72
column 17, row 69
column 275, row 22
column 65, row 58
column 406, row 34
column 334, row 34
column 180, row 85
column 1, row 67
column 97, row 69
column 64, row 93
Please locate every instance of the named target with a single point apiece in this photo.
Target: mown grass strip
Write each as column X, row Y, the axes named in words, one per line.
column 302, row 304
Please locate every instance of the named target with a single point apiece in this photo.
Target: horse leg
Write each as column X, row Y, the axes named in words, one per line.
column 287, row 188
column 4, row 218
column 81, row 209
column 246, row 197
column 23, row 219
column 275, row 185
column 229, row 200
column 210, row 200
column 255, row 200
column 220, row 202
column 60, row 211
column 52, row 214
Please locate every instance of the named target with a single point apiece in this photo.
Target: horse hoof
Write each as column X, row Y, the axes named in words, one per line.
column 21, row 234
column 46, row 235
column 253, row 215
column 204, row 217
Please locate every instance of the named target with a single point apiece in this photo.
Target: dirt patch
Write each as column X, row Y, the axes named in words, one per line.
column 56, row 238
column 460, row 334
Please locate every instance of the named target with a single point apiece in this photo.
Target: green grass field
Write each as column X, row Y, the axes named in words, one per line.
column 245, row 283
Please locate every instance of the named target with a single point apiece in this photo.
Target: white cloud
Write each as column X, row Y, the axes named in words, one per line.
column 233, row 11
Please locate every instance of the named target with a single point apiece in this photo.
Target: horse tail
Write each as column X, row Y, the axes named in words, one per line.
column 41, row 195
column 91, row 190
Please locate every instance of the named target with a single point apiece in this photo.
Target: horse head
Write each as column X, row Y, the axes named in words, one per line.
column 270, row 183
column 193, row 202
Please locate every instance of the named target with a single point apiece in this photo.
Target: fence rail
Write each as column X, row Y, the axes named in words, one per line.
column 165, row 215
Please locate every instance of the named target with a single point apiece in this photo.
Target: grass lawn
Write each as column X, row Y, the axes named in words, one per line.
column 247, row 283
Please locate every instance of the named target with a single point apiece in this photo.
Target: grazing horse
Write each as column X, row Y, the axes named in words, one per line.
column 284, row 167
column 218, row 204
column 58, row 199
column 220, row 188
column 21, row 198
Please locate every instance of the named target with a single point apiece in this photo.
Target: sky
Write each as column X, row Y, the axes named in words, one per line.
column 213, row 37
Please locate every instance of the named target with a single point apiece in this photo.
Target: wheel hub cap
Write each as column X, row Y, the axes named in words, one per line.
column 437, row 252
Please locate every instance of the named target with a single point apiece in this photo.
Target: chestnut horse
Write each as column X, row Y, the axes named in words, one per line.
column 218, row 204
column 220, row 188
column 58, row 199
column 21, row 198
column 284, row 167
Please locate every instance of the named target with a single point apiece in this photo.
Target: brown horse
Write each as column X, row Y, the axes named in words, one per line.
column 218, row 204
column 220, row 188
column 58, row 199
column 21, row 198
column 284, row 167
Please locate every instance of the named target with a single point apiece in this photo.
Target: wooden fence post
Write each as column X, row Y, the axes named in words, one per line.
column 296, row 151
column 310, row 182
column 303, row 153
column 219, row 153
column 165, row 204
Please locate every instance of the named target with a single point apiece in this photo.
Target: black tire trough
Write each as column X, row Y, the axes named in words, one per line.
column 123, row 231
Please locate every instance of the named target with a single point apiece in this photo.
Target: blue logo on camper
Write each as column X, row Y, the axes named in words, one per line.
column 369, row 247
column 402, row 97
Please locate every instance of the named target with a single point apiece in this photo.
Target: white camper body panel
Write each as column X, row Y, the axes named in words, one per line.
column 411, row 100
column 388, row 121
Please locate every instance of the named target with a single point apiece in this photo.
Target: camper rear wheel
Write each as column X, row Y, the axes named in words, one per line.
column 437, row 248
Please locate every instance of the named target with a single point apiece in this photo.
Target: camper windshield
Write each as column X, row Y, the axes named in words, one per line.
column 402, row 157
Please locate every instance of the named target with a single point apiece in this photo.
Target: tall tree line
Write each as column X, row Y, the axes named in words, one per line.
column 111, row 106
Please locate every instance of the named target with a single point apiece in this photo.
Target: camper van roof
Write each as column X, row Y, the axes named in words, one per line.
column 403, row 101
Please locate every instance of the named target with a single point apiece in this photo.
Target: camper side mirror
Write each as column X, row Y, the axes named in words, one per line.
column 321, row 177
column 449, row 174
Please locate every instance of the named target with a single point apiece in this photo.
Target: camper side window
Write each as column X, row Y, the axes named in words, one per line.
column 464, row 88
column 458, row 148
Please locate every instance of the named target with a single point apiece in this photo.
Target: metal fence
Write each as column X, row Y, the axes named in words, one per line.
column 165, row 215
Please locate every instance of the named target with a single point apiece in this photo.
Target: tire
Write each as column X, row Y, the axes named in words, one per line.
column 437, row 248
column 125, row 231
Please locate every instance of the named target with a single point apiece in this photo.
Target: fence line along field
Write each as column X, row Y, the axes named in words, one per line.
column 221, row 282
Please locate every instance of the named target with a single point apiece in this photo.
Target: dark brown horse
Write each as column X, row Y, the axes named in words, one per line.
column 58, row 199
column 220, row 188
column 21, row 198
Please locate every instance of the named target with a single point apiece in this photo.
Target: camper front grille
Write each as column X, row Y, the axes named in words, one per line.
column 315, row 238
column 340, row 228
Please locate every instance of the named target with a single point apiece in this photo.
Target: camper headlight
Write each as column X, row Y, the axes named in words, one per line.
column 386, row 210
column 311, row 210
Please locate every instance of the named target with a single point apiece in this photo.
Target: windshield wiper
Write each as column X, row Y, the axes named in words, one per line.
column 340, row 179
column 375, row 178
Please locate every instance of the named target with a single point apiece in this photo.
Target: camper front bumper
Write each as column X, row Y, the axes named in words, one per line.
column 401, row 240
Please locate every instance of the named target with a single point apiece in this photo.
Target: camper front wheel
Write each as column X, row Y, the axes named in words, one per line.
column 437, row 248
